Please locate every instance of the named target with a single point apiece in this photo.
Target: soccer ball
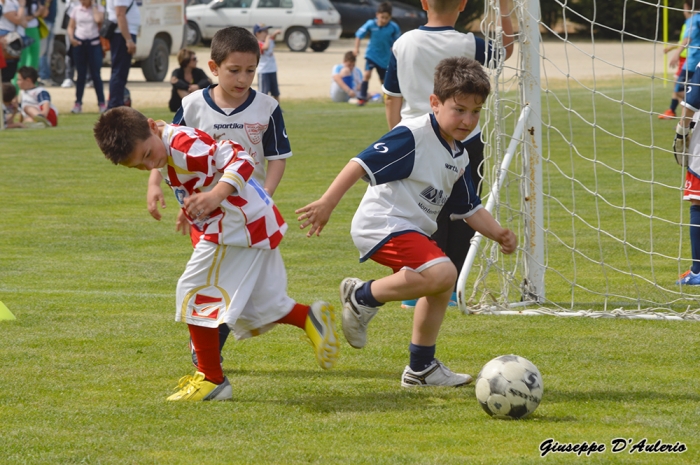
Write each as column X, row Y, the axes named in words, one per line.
column 509, row 386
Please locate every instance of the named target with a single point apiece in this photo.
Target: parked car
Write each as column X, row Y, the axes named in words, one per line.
column 355, row 13
column 304, row 23
column 161, row 34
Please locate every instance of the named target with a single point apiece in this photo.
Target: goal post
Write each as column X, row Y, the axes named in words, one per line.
column 593, row 192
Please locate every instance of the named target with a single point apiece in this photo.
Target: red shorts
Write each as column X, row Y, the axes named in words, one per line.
column 412, row 251
column 691, row 190
column 52, row 117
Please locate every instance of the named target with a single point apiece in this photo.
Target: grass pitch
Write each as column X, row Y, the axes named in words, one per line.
column 87, row 365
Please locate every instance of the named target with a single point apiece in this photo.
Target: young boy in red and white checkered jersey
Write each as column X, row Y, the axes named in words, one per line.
column 409, row 82
column 236, row 274
column 232, row 110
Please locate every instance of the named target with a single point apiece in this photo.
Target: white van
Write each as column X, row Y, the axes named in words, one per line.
column 161, row 34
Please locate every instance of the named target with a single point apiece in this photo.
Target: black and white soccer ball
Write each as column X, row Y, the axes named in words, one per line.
column 509, row 386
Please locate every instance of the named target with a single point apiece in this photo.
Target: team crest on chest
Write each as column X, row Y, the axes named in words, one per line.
column 255, row 132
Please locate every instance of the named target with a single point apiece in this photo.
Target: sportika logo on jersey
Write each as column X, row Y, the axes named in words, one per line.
column 228, row 126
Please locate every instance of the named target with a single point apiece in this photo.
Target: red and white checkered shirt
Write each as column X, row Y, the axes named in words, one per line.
column 196, row 162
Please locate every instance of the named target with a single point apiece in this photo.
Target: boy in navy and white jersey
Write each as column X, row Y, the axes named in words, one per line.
column 412, row 171
column 232, row 110
column 687, row 146
column 35, row 101
column 383, row 33
column 409, row 82
column 236, row 275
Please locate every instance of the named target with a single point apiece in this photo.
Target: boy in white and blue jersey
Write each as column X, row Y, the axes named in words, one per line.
column 412, row 171
column 409, row 82
column 383, row 33
column 232, row 110
column 687, row 146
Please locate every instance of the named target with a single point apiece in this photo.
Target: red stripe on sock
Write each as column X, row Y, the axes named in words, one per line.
column 206, row 345
column 297, row 317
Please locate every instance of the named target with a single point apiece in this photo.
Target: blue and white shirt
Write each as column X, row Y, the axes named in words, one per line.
column 34, row 97
column 411, row 171
column 257, row 125
column 380, row 42
column 415, row 56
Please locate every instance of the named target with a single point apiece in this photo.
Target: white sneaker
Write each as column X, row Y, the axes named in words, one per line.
column 436, row 374
column 356, row 317
column 67, row 83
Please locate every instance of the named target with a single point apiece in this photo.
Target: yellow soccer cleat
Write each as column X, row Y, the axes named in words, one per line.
column 320, row 327
column 197, row 388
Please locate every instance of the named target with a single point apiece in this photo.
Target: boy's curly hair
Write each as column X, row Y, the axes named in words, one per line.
column 460, row 76
column 233, row 39
column 118, row 131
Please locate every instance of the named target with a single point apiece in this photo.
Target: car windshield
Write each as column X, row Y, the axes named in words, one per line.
column 322, row 5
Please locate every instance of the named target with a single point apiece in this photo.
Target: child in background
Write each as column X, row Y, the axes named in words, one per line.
column 678, row 86
column 267, row 68
column 690, row 43
column 236, row 275
column 347, row 79
column 232, row 110
column 398, row 213
column 408, row 84
column 383, row 33
column 35, row 102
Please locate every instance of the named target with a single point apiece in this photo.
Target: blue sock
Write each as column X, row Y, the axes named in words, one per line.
column 421, row 356
column 674, row 104
column 363, row 90
column 695, row 237
column 364, row 296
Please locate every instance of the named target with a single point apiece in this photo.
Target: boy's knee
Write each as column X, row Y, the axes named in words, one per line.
column 442, row 277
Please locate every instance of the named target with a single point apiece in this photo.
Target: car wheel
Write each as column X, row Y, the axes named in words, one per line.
column 320, row 45
column 193, row 36
column 297, row 39
column 58, row 61
column 155, row 67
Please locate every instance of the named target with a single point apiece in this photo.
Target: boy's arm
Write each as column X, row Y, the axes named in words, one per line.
column 200, row 205
column 154, row 194
column 356, row 50
column 45, row 108
column 339, row 80
column 482, row 222
column 393, row 110
column 316, row 214
column 275, row 171
column 507, row 27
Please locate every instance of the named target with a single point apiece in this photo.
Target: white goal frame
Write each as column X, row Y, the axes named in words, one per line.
column 519, row 285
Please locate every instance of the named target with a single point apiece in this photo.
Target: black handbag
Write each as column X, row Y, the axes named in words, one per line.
column 108, row 27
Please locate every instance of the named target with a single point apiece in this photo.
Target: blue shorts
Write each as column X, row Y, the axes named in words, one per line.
column 267, row 84
column 370, row 65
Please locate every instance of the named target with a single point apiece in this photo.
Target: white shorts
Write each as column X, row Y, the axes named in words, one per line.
column 245, row 288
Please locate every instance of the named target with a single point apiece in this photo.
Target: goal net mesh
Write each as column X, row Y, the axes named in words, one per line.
column 593, row 192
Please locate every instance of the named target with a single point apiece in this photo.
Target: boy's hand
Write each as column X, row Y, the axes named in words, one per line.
column 181, row 224
column 154, row 196
column 316, row 214
column 508, row 241
column 199, row 206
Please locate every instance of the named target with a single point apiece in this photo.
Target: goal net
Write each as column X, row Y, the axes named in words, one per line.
column 593, row 191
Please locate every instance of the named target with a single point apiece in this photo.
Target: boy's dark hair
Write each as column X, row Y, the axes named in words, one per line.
column 384, row 7
column 233, row 39
column 460, row 76
column 350, row 56
column 118, row 131
column 8, row 92
column 29, row 72
column 443, row 6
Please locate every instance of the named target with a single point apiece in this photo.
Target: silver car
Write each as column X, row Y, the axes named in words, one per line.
column 304, row 23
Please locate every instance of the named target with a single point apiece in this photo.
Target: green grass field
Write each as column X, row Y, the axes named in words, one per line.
column 86, row 366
